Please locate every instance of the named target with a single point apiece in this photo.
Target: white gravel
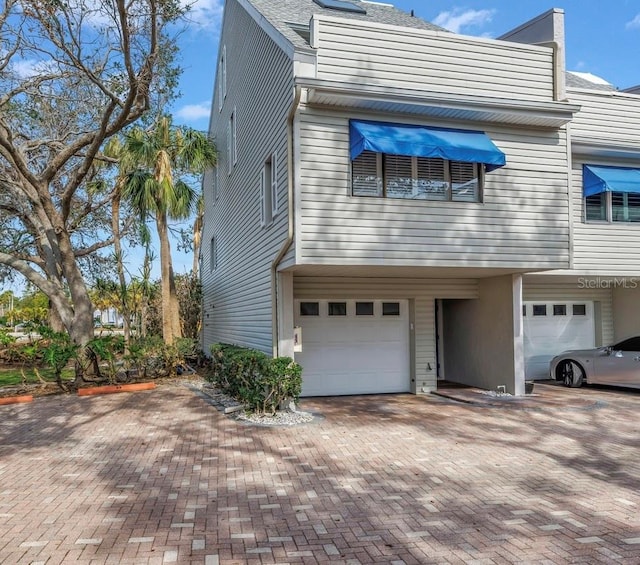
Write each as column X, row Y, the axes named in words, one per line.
column 290, row 417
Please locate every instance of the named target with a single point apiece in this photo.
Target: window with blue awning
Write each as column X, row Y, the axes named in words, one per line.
column 423, row 141
column 611, row 194
column 599, row 179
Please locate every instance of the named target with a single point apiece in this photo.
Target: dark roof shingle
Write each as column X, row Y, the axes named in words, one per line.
column 280, row 13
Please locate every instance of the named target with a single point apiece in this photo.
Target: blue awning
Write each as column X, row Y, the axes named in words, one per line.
column 423, row 141
column 597, row 179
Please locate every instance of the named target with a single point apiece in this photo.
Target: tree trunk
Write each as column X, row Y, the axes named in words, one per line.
column 55, row 321
column 170, row 311
column 122, row 289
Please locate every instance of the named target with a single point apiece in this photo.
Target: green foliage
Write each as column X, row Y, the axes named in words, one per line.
column 5, row 338
column 57, row 350
column 255, row 379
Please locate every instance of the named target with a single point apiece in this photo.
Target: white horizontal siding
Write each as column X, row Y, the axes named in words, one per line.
column 439, row 62
column 572, row 291
column 606, row 115
column 605, row 248
column 523, row 221
column 424, row 292
column 237, row 295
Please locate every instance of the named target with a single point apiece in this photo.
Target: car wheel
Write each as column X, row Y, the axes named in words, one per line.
column 571, row 374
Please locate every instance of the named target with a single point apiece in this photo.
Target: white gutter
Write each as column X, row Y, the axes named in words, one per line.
column 291, row 221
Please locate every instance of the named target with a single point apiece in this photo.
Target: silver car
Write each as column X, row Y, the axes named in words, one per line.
column 617, row 365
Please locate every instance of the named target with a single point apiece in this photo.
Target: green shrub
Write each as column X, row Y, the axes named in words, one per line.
column 255, row 379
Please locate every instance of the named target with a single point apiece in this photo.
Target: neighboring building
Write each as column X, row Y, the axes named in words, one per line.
column 390, row 188
column 597, row 300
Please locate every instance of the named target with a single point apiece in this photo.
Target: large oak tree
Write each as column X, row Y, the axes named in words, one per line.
column 72, row 74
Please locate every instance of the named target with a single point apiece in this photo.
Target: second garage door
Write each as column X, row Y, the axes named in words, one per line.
column 553, row 327
column 353, row 346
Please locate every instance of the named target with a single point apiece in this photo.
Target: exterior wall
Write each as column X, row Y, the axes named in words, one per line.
column 486, row 336
column 551, row 287
column 369, row 53
column 605, row 118
column 521, row 223
column 237, row 305
column 422, row 292
column 626, row 311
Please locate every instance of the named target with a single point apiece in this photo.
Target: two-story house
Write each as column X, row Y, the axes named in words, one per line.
column 383, row 187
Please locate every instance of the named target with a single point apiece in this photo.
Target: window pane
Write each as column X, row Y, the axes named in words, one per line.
column 625, row 207
column 595, row 208
column 618, row 207
column 364, row 308
column 390, row 308
column 337, row 308
column 465, row 185
column 579, row 309
column 309, row 309
column 364, row 175
column 398, row 177
column 431, row 183
column 539, row 309
column 633, row 204
column 524, row 309
column 559, row 309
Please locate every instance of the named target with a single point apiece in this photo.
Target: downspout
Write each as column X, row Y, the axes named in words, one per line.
column 291, row 220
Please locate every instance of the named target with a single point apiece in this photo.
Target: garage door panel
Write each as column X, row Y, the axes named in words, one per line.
column 354, row 354
column 553, row 327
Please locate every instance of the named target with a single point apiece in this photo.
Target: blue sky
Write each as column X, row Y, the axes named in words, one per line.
column 601, row 38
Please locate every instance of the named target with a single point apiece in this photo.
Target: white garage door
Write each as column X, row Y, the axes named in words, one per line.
column 353, row 346
column 553, row 327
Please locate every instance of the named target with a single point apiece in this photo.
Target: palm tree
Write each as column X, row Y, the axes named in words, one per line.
column 161, row 159
column 197, row 234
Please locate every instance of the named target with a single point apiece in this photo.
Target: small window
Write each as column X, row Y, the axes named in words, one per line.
column 539, row 309
column 274, row 184
column 232, row 150
column 309, row 309
column 579, row 309
column 364, row 308
column 222, row 78
column 269, row 191
column 524, row 309
column 390, row 308
column 337, row 308
column 559, row 309
column 214, row 254
column 216, row 182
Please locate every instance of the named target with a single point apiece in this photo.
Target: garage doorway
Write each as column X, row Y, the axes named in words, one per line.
column 357, row 346
column 551, row 327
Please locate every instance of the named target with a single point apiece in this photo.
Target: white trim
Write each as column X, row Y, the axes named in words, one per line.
column 435, row 104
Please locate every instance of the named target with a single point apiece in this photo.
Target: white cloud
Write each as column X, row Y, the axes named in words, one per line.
column 28, row 68
column 206, row 14
column 458, row 18
column 194, row 112
column 634, row 23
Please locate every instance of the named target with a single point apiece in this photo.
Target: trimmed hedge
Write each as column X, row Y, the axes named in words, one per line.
column 260, row 382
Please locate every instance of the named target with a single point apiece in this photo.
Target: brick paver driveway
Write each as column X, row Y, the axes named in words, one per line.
column 163, row 477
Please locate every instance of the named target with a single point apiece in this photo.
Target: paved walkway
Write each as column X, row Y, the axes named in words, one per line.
column 163, row 477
